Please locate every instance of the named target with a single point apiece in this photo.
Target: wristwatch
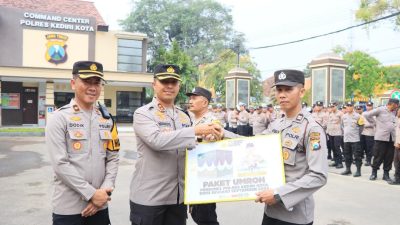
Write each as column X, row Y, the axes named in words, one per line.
column 277, row 196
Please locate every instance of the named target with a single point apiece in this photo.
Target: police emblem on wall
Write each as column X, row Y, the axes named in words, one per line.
column 56, row 48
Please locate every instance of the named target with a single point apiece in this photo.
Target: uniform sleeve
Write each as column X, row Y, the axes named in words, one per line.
column 112, row 162
column 294, row 192
column 369, row 115
column 57, row 147
column 147, row 129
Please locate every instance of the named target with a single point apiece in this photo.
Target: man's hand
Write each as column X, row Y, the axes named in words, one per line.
column 101, row 197
column 206, row 129
column 266, row 196
column 90, row 210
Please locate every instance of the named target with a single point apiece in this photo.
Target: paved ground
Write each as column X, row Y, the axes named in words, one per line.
column 26, row 176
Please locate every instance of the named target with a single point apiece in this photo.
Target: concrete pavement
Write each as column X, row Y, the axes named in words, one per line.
column 26, row 176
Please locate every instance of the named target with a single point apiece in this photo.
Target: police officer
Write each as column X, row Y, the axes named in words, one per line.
column 83, row 144
column 384, row 137
column 319, row 115
column 352, row 125
column 163, row 133
column 396, row 159
column 199, row 99
column 367, row 134
column 304, row 154
column 220, row 115
column 260, row 121
column 335, row 133
column 243, row 120
column 272, row 113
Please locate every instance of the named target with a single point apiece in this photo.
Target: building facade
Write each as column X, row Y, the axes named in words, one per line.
column 41, row 39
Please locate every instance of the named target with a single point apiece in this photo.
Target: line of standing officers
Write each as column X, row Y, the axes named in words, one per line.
column 354, row 134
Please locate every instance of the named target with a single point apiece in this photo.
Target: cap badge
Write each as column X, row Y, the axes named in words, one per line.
column 282, row 76
column 194, row 89
column 93, row 67
column 170, row 70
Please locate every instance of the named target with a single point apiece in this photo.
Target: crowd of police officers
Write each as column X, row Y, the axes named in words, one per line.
column 354, row 132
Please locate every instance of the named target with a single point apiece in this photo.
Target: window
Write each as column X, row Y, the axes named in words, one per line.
column 130, row 55
column 230, row 93
column 127, row 103
column 243, row 91
column 337, row 83
column 319, row 85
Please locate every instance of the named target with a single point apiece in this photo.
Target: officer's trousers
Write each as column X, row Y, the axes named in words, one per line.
column 158, row 215
column 396, row 162
column 352, row 149
column 242, row 130
column 368, row 146
column 100, row 218
column 383, row 152
column 271, row 221
column 329, row 143
column 337, row 152
column 204, row 214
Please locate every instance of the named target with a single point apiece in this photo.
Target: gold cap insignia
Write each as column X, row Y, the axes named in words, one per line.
column 93, row 67
column 170, row 70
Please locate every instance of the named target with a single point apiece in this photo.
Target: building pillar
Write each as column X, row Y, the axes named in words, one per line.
column 101, row 97
column 49, row 101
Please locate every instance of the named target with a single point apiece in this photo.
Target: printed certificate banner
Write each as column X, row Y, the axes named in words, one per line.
column 233, row 170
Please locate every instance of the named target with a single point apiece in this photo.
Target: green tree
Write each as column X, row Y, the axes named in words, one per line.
column 201, row 27
column 372, row 9
column 189, row 71
column 391, row 75
column 212, row 74
column 362, row 74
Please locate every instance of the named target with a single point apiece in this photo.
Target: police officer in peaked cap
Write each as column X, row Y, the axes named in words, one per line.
column 163, row 133
column 304, row 153
column 83, row 143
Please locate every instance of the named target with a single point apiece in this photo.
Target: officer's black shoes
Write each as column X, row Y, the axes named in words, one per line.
column 329, row 157
column 394, row 182
column 346, row 172
column 386, row 176
column 373, row 175
column 367, row 164
column 339, row 166
column 357, row 173
column 333, row 164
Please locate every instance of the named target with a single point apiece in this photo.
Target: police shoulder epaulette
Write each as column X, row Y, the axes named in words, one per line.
column 187, row 114
column 63, row 107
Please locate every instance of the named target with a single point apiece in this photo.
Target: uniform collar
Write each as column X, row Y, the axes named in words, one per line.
column 157, row 105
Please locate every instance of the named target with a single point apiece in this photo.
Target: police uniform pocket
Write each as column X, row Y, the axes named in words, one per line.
column 289, row 151
column 105, row 136
column 289, row 156
column 77, row 143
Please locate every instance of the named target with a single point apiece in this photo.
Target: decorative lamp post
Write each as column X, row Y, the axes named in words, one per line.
column 237, row 87
column 328, row 78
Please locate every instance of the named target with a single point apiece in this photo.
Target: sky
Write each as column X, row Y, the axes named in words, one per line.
column 267, row 22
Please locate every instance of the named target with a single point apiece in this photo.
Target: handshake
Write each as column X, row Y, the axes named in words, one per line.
column 210, row 131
